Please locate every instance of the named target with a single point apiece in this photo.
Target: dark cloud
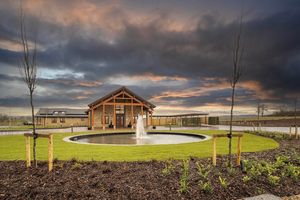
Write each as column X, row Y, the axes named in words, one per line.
column 272, row 56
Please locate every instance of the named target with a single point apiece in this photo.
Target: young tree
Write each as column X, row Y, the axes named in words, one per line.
column 238, row 50
column 28, row 71
column 295, row 113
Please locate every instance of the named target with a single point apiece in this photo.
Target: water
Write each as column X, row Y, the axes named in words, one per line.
column 128, row 139
column 140, row 130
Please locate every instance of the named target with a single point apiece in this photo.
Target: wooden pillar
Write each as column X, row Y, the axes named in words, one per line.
column 296, row 131
column 147, row 121
column 115, row 120
column 93, row 119
column 27, row 143
column 151, row 119
column 239, row 146
column 50, row 152
column 89, row 119
column 142, row 111
column 103, row 116
column 214, row 153
column 132, row 121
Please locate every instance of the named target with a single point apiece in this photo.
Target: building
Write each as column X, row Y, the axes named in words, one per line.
column 119, row 109
column 188, row 120
column 61, row 117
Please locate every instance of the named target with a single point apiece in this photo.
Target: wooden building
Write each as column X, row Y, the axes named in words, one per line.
column 119, row 109
column 61, row 117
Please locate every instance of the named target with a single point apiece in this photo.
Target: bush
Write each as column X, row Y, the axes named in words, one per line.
column 183, row 183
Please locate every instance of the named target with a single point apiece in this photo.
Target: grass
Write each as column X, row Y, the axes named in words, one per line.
column 28, row 127
column 12, row 147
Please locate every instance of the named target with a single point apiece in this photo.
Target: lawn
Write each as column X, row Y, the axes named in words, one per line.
column 28, row 127
column 12, row 147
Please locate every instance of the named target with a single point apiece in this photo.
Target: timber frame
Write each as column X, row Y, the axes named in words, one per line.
column 122, row 99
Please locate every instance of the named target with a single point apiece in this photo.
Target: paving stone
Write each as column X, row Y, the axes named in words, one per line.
column 263, row 197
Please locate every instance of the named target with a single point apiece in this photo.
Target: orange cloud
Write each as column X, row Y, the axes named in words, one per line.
column 152, row 77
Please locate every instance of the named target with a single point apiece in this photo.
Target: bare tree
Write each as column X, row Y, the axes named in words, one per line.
column 28, row 71
column 238, row 50
column 258, row 111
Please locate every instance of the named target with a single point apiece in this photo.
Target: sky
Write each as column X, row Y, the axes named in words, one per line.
column 176, row 54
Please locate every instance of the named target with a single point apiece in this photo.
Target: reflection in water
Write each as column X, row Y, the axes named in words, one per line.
column 131, row 139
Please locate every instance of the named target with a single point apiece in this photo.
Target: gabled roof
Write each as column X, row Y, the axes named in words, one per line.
column 68, row 112
column 118, row 91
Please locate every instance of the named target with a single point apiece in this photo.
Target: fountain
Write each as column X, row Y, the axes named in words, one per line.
column 140, row 130
column 140, row 137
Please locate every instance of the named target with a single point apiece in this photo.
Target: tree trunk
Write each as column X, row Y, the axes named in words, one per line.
column 230, row 126
column 33, row 129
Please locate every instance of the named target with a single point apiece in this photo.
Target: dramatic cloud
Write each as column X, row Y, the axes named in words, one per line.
column 179, row 56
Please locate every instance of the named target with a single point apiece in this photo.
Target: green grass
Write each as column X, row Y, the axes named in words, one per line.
column 12, row 147
column 28, row 127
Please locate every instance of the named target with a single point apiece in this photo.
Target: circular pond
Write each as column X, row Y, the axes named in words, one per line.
column 152, row 138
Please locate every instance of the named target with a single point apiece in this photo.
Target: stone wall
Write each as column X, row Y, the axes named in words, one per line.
column 58, row 121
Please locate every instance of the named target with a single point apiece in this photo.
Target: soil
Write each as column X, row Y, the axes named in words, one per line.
column 137, row 180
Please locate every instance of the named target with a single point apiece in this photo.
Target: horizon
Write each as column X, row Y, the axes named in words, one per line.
column 175, row 55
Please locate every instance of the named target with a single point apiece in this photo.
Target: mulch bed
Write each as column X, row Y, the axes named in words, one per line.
column 136, row 180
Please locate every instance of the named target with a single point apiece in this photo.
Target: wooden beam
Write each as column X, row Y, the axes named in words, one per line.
column 125, row 104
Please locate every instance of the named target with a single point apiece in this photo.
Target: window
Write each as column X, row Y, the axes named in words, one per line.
column 55, row 113
column 106, row 119
column 54, row 120
column 62, row 120
column 120, row 109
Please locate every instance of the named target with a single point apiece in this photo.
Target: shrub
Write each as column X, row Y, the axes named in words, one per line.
column 183, row 183
column 246, row 179
column 223, row 182
column 205, row 186
column 203, row 172
column 273, row 180
column 169, row 167
column 292, row 171
column 76, row 166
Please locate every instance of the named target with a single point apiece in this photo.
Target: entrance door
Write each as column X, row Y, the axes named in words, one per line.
column 120, row 120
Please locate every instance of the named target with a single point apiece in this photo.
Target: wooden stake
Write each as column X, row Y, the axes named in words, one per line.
column 239, row 147
column 214, row 157
column 27, row 141
column 50, row 153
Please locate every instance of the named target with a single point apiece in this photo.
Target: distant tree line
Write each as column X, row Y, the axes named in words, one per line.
column 6, row 120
